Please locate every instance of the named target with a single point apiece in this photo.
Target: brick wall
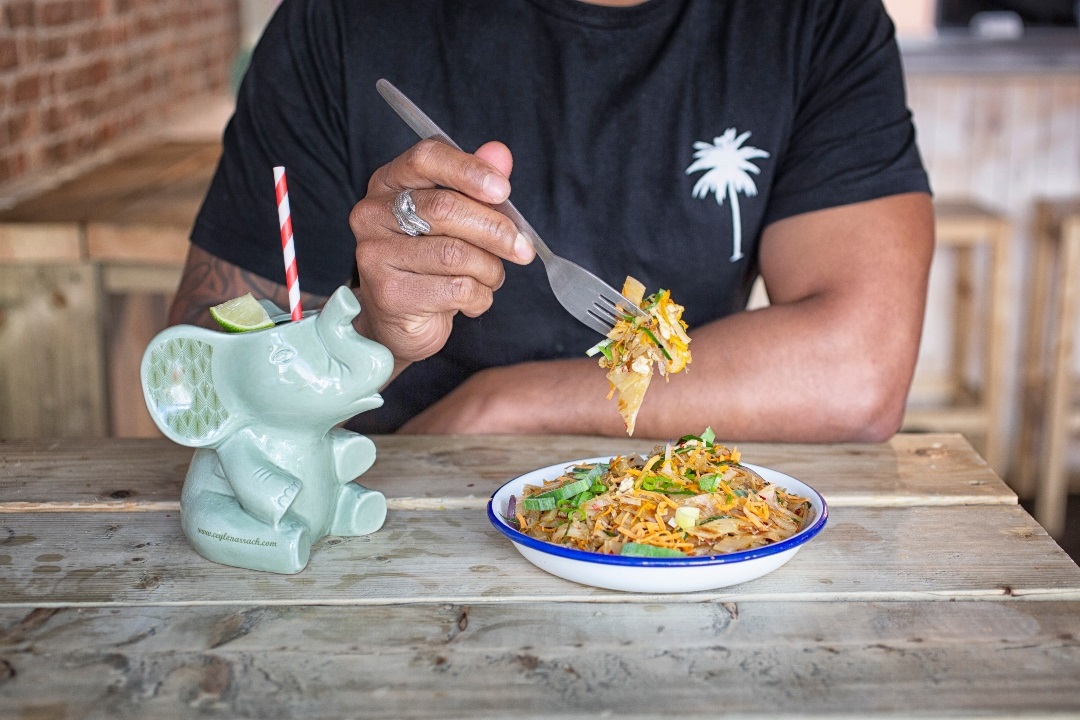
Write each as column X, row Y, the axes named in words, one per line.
column 77, row 75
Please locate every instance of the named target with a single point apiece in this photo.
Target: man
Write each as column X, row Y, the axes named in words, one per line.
column 689, row 143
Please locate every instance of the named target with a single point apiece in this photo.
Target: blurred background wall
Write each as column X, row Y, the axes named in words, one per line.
column 79, row 76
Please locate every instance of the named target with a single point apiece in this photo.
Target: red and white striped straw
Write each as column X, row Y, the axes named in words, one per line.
column 292, row 280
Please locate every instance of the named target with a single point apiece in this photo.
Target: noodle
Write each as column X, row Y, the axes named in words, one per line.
column 690, row 498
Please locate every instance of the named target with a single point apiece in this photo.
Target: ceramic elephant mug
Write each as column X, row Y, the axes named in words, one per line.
column 272, row 473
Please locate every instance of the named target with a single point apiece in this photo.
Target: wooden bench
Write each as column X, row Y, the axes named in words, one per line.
column 86, row 274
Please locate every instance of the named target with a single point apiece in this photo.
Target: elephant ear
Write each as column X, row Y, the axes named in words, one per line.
column 178, row 385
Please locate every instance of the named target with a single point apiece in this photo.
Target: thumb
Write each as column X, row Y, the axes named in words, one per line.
column 498, row 155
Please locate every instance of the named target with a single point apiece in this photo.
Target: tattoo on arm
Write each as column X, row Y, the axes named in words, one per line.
column 208, row 280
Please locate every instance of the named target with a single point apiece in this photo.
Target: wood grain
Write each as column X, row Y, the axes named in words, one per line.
column 51, row 356
column 105, row 191
column 132, row 321
column 454, row 555
column 73, row 475
column 477, row 661
column 44, row 242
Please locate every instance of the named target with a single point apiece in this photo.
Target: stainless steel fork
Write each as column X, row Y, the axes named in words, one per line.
column 585, row 296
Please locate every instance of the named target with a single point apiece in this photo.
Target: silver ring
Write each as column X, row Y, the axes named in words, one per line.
column 404, row 210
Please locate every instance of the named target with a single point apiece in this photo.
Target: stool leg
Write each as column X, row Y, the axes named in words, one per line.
column 993, row 392
column 963, row 317
column 1053, row 490
column 1034, row 378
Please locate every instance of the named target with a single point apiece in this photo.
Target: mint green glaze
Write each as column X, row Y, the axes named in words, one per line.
column 272, row 473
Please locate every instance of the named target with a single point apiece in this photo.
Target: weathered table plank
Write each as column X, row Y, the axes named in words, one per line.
column 57, row 559
column 909, row 470
column 477, row 661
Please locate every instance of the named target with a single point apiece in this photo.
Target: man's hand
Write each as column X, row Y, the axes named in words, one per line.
column 411, row 287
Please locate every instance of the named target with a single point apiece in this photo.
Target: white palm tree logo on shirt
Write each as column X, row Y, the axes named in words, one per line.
column 728, row 167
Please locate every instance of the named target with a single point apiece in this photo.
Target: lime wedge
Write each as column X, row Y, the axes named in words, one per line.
column 241, row 314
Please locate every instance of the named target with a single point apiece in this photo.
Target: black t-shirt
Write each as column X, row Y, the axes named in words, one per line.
column 648, row 141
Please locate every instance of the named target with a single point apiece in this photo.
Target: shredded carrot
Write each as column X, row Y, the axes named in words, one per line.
column 750, row 514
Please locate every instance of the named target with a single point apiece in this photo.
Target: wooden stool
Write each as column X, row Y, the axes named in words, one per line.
column 961, row 228
column 1049, row 411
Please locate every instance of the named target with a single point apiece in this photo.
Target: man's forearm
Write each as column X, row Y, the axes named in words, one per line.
column 816, row 389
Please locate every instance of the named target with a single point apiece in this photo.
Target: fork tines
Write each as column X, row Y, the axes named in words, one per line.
column 608, row 310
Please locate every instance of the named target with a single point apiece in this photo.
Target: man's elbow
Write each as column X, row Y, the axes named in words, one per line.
column 874, row 409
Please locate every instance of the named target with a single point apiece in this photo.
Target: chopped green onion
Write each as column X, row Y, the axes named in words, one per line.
column 576, row 513
column 592, row 474
column 583, row 498
column 714, row 517
column 652, row 337
column 709, row 483
column 604, row 346
column 633, row 549
column 657, row 483
column 538, row 503
column 687, row 516
column 567, row 491
column 597, row 488
column 708, row 437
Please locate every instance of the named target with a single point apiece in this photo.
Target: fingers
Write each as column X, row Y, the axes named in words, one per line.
column 453, row 214
column 430, row 163
column 498, row 155
column 466, row 238
column 449, row 188
column 411, row 295
column 414, row 270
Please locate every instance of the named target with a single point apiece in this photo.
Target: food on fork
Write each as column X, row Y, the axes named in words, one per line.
column 638, row 344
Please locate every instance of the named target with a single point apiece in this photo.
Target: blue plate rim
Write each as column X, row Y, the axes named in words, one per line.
column 790, row 543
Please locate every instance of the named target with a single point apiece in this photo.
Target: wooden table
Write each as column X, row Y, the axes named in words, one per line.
column 930, row 591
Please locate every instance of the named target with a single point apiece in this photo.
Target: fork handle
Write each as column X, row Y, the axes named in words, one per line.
column 426, row 128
